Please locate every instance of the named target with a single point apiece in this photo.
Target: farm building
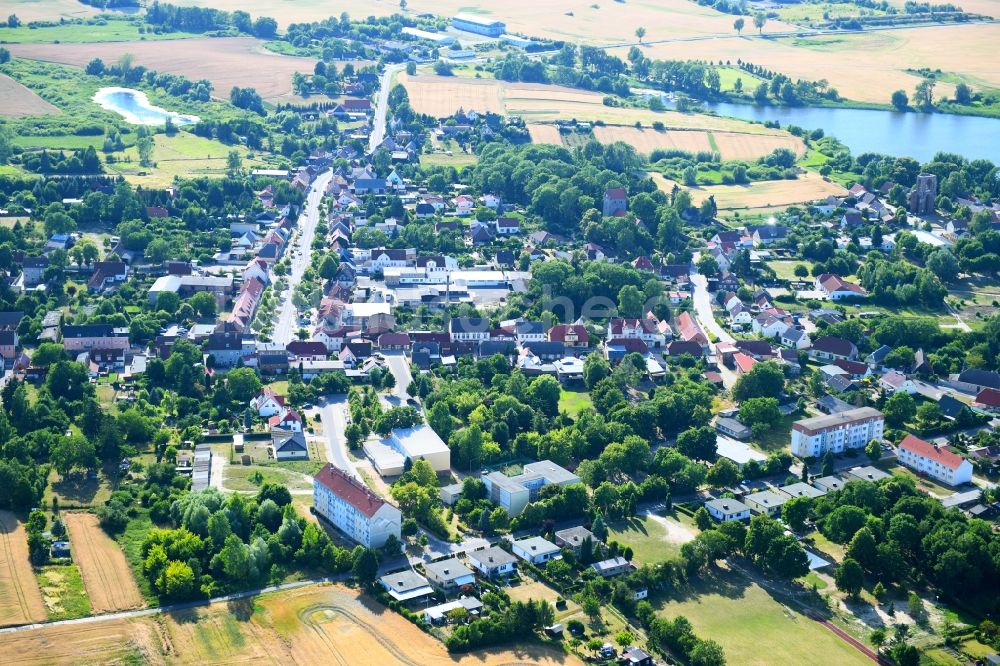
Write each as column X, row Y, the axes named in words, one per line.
column 478, row 25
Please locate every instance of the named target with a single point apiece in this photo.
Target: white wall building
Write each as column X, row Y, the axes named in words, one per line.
column 536, row 550
column 354, row 509
column 724, row 509
column 936, row 462
column 852, row 429
column 420, row 443
column 514, row 492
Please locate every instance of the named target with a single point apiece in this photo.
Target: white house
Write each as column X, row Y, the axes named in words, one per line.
column 352, row 508
column 936, row 462
column 894, row 382
column 267, row 403
column 767, row 502
column 493, row 562
column 449, row 575
column 514, row 492
column 836, row 288
column 536, row 550
column 769, row 326
column 724, row 509
column 795, row 338
column 469, row 329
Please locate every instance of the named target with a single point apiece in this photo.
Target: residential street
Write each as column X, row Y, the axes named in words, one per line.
column 333, row 412
column 382, row 106
column 287, row 322
column 400, row 369
column 703, row 305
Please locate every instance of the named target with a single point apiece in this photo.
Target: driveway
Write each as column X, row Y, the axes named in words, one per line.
column 400, row 369
column 287, row 323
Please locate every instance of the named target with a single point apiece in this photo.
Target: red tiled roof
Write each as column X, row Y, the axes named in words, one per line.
column 927, row 450
column 306, row 348
column 833, row 282
column 853, row 367
column 350, row 490
column 743, row 362
column 616, row 193
column 630, row 344
column 558, row 332
column 689, row 329
column 989, row 397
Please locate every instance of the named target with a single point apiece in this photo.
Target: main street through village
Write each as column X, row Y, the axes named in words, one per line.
column 287, row 320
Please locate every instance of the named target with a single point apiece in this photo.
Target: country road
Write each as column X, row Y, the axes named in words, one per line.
column 703, row 305
column 287, row 323
column 382, row 106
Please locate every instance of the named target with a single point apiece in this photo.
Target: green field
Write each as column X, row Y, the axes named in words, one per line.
column 752, row 626
column 63, row 592
column 83, row 33
column 728, row 76
column 809, row 12
column 785, row 270
column 574, row 402
column 650, row 539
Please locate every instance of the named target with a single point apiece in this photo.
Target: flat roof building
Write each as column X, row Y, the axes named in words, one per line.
column 514, row 492
column 478, row 25
column 420, row 443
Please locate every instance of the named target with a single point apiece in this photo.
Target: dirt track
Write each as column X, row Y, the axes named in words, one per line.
column 20, row 598
column 106, row 573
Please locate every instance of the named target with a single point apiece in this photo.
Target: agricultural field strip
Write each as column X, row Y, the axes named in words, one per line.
column 16, row 575
column 106, row 574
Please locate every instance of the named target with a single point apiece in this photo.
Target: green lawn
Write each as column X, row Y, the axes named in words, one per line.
column 785, row 270
column 651, row 541
column 244, row 478
column 753, row 627
column 728, row 76
column 457, row 159
column 574, row 402
column 778, row 437
column 63, row 592
column 181, row 155
column 825, row 546
column 83, row 33
column 130, row 539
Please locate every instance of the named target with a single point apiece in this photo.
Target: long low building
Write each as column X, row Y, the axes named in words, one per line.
column 852, row 429
column 420, row 443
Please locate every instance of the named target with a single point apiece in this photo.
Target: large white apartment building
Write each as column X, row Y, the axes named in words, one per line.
column 353, row 509
column 852, row 429
column 514, row 492
column 936, row 462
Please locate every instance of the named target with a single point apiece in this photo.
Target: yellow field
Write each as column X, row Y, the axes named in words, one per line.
column 320, row 624
column 50, row 10
column 20, row 598
column 731, row 145
column 106, row 573
column 861, row 66
column 545, row 134
column 808, row 187
column 226, row 62
column 21, row 101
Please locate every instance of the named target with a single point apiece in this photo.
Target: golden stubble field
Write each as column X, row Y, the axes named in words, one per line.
column 731, row 145
column 808, row 187
column 20, row 101
column 318, row 624
column 867, row 66
column 106, row 574
column 226, row 62
column 20, row 598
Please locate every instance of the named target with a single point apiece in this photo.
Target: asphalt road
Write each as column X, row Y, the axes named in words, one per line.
column 333, row 412
column 382, row 106
column 703, row 305
column 287, row 323
column 400, row 369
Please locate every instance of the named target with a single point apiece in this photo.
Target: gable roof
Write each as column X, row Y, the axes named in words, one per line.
column 350, row 490
column 915, row 445
column 833, row 345
column 989, row 397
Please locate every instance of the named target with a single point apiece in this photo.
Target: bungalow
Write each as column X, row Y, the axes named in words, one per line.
column 767, row 502
column 406, row 585
column 828, row 348
column 289, row 445
column 829, row 483
column 725, row 510
column 768, row 233
column 449, row 575
column 493, row 562
column 614, row 566
column 536, row 550
column 573, row 538
column 508, row 226
column 437, row 615
column 795, row 338
column 732, row 427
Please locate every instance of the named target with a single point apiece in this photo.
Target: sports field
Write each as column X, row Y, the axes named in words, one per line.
column 226, row 62
column 754, row 628
column 20, row 599
column 106, row 573
column 808, row 187
column 319, row 624
column 20, row 101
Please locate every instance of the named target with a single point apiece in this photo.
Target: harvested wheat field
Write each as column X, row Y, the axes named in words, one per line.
column 19, row 101
column 20, row 598
column 808, row 187
column 226, row 62
column 106, row 574
column 731, row 145
column 441, row 96
column 865, row 66
column 545, row 134
column 318, row 624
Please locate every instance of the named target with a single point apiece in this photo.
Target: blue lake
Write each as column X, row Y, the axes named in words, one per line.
column 916, row 135
column 135, row 107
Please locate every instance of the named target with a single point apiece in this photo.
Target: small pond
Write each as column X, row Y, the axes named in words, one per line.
column 135, row 107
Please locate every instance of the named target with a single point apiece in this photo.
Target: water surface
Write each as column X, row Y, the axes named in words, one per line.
column 134, row 106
